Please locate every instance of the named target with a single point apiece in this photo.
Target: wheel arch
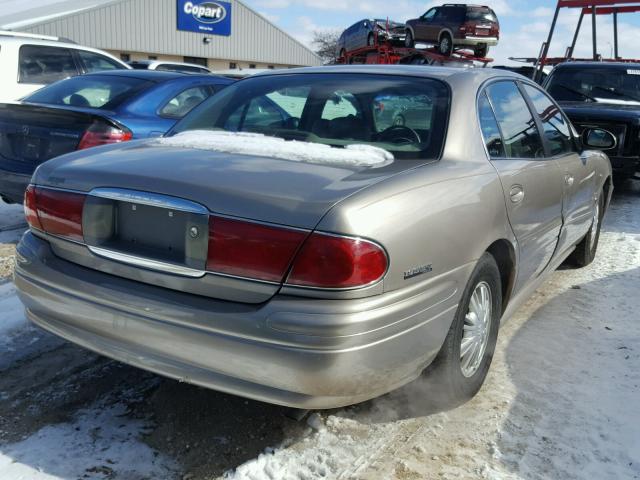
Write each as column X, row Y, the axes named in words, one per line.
column 448, row 32
column 504, row 254
column 607, row 188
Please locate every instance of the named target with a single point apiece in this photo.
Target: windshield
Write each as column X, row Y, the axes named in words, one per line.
column 403, row 115
column 93, row 91
column 605, row 85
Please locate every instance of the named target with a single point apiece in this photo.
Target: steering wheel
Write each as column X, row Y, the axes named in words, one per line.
column 399, row 134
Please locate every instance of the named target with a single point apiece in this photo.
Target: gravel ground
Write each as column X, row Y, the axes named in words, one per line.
column 558, row 402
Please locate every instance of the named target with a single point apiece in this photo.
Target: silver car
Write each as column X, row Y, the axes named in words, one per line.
column 288, row 243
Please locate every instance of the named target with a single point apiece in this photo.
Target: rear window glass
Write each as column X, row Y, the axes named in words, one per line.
column 93, row 91
column 481, row 15
column 403, row 115
column 42, row 65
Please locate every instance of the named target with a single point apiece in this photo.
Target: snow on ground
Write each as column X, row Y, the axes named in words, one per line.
column 261, row 145
column 560, row 400
column 12, row 317
column 97, row 444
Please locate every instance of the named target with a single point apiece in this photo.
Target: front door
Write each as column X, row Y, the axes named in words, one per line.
column 423, row 27
column 532, row 183
column 578, row 176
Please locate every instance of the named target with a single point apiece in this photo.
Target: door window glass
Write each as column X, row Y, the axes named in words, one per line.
column 42, row 65
column 556, row 127
column 184, row 102
column 427, row 17
column 490, row 129
column 401, row 109
column 519, row 130
column 94, row 62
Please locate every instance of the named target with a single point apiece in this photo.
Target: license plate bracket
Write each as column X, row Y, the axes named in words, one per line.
column 164, row 233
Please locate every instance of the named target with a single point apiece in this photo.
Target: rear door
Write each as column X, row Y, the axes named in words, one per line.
column 578, row 174
column 532, row 183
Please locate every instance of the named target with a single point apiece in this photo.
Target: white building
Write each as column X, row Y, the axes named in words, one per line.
column 219, row 34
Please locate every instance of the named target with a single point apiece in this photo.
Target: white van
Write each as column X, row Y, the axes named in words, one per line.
column 29, row 62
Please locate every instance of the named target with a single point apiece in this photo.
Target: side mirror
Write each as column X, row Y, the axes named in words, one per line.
column 599, row 139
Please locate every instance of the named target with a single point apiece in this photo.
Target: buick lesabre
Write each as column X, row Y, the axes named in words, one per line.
column 289, row 242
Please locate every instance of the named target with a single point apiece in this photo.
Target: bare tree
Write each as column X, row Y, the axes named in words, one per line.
column 325, row 44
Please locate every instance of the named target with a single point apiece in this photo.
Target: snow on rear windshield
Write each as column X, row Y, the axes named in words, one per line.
column 260, row 145
column 406, row 116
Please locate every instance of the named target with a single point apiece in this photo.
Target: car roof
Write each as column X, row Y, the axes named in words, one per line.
column 161, row 76
column 162, row 62
column 443, row 73
column 583, row 65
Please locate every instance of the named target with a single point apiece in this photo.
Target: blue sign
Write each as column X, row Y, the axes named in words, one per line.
column 203, row 16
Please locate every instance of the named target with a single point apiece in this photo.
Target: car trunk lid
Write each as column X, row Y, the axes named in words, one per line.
column 280, row 201
column 31, row 134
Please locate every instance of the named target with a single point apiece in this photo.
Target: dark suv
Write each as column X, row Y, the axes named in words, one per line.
column 454, row 26
column 604, row 95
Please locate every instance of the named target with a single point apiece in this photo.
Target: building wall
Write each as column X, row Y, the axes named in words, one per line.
column 151, row 26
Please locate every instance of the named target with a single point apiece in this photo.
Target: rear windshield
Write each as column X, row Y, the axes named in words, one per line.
column 404, row 115
column 481, row 15
column 94, row 91
column 603, row 85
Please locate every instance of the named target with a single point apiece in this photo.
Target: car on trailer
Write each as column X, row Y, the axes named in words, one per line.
column 326, row 257
column 369, row 32
column 606, row 95
column 454, row 26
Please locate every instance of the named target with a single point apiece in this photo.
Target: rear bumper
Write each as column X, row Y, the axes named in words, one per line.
column 13, row 185
column 472, row 41
column 299, row 352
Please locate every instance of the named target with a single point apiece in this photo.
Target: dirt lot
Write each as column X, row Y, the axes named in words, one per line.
column 560, row 401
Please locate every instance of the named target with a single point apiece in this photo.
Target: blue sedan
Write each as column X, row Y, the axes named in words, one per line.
column 92, row 110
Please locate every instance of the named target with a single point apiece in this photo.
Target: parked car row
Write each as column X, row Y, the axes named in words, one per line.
column 91, row 110
column 312, row 238
column 449, row 27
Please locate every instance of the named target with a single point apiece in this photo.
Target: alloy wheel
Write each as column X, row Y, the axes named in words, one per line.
column 477, row 326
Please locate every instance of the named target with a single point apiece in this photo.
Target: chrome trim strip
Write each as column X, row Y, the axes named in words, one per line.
column 151, row 199
column 147, row 263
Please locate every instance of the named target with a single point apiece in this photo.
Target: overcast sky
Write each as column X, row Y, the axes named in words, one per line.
column 525, row 23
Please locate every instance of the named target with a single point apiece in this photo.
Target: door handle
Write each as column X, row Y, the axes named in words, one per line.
column 516, row 194
column 568, row 180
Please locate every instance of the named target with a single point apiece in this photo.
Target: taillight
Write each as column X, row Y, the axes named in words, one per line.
column 251, row 250
column 337, row 262
column 31, row 208
column 468, row 28
column 101, row 133
column 55, row 211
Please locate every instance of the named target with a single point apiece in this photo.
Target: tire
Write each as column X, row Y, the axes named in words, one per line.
column 371, row 40
column 585, row 252
column 455, row 385
column 409, row 41
column 445, row 46
column 481, row 51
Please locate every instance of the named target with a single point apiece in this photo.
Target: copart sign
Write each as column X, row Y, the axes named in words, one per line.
column 213, row 18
